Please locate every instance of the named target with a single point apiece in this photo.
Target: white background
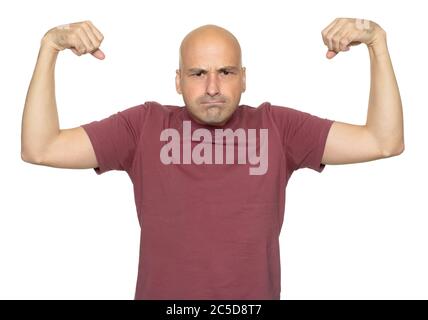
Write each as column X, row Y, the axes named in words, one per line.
column 357, row 231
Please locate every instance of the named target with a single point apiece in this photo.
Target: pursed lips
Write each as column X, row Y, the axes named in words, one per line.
column 213, row 102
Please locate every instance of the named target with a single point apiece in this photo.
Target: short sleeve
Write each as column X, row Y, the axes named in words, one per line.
column 304, row 137
column 115, row 138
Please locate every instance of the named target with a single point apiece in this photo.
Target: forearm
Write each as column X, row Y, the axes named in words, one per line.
column 385, row 114
column 40, row 117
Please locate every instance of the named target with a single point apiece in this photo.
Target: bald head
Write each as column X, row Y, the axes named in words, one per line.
column 205, row 40
column 210, row 75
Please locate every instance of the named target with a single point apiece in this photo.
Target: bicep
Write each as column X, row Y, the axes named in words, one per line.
column 349, row 143
column 71, row 149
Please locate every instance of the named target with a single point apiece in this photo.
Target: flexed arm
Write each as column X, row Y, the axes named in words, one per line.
column 42, row 140
column 383, row 135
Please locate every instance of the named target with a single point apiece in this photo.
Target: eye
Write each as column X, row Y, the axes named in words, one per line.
column 225, row 72
column 197, row 74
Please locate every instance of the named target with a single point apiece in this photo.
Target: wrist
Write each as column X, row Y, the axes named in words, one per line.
column 47, row 54
column 378, row 38
column 48, row 46
column 378, row 46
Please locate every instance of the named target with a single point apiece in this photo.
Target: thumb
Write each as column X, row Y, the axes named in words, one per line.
column 331, row 54
column 98, row 54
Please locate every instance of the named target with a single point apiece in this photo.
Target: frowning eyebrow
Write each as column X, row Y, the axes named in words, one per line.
column 225, row 68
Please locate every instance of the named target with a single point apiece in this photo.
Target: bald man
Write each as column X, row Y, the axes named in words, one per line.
column 209, row 177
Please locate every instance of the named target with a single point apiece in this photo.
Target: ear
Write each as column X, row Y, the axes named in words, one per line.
column 178, row 81
column 244, row 80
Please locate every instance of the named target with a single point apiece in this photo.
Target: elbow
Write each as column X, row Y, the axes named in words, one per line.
column 24, row 157
column 30, row 158
column 392, row 152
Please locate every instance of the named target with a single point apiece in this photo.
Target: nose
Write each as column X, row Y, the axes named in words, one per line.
column 212, row 84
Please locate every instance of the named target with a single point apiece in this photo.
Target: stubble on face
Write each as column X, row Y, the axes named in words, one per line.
column 211, row 75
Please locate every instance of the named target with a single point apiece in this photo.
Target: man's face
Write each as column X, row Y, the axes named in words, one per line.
column 210, row 77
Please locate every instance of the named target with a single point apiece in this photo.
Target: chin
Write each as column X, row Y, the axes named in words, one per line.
column 218, row 123
column 213, row 122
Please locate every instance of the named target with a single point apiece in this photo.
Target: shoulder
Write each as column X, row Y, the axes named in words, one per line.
column 274, row 113
column 260, row 111
column 160, row 109
column 150, row 109
column 267, row 107
column 286, row 115
column 251, row 110
column 280, row 109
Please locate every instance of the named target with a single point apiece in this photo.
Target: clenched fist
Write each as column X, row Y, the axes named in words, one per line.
column 342, row 33
column 81, row 37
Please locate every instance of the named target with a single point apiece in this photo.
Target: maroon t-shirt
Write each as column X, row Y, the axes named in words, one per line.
column 209, row 230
